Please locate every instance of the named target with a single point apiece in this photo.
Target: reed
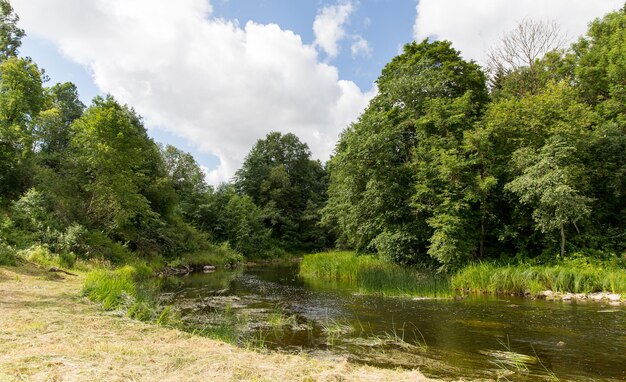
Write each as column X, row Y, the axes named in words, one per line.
column 524, row 279
column 372, row 275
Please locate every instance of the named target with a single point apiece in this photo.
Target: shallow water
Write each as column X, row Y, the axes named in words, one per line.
column 475, row 337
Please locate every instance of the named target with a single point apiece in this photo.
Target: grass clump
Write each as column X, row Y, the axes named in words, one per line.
column 522, row 279
column 373, row 275
column 127, row 289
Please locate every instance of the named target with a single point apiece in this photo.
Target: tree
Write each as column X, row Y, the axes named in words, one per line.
column 392, row 170
column 114, row 164
column 21, row 100
column 281, row 178
column 600, row 69
column 519, row 52
column 10, row 34
column 187, row 179
column 548, row 184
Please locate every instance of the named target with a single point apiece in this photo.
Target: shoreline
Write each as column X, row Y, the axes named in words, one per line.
column 50, row 332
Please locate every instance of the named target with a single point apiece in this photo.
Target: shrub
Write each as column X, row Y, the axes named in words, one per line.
column 7, row 255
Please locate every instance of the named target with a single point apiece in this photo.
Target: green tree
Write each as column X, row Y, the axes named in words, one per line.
column 21, row 100
column 548, row 184
column 391, row 179
column 114, row 165
column 601, row 64
column 10, row 34
column 187, row 179
column 282, row 179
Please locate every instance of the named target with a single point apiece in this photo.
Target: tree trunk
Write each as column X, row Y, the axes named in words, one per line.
column 562, row 241
column 482, row 234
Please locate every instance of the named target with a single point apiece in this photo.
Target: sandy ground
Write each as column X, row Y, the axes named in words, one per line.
column 49, row 333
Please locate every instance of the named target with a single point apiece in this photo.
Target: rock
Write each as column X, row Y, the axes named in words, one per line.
column 560, row 344
column 548, row 294
column 581, row 296
column 599, row 296
column 208, row 268
column 613, row 297
column 568, row 297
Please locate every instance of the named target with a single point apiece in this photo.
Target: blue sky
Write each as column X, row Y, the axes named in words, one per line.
column 213, row 76
column 386, row 24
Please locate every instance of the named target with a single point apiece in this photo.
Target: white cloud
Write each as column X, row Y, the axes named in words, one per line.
column 475, row 26
column 360, row 47
column 216, row 84
column 328, row 27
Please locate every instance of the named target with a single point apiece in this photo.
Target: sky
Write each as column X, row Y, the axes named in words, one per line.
column 213, row 76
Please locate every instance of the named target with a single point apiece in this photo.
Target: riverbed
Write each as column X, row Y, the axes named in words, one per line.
column 272, row 307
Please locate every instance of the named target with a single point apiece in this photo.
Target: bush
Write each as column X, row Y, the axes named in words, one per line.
column 7, row 255
column 214, row 255
column 397, row 247
column 40, row 254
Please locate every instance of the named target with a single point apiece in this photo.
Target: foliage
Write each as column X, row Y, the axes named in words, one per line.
column 372, row 275
column 574, row 277
column 10, row 34
column 127, row 289
column 288, row 186
column 7, row 255
column 41, row 255
column 399, row 172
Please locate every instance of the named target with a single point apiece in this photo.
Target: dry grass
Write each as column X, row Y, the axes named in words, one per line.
column 49, row 333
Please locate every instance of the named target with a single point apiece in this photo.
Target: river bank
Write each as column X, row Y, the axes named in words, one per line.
column 49, row 332
column 565, row 281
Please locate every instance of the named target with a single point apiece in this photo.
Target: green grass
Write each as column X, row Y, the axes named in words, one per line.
column 129, row 290
column 372, row 275
column 216, row 255
column 574, row 277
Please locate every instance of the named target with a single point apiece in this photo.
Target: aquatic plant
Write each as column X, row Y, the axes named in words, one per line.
column 370, row 274
column 532, row 279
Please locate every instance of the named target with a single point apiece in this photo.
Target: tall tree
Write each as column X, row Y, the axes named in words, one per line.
column 21, row 100
column 281, row 178
column 548, row 184
column 389, row 173
column 10, row 34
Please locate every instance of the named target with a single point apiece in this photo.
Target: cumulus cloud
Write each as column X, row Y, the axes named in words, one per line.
column 360, row 47
column 211, row 81
column 328, row 27
column 475, row 26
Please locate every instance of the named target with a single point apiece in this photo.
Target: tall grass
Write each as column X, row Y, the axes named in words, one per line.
column 372, row 275
column 127, row 289
column 521, row 279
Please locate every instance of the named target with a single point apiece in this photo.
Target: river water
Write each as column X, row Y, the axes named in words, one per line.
column 475, row 337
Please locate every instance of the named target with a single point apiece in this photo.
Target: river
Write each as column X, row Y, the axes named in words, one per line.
column 476, row 337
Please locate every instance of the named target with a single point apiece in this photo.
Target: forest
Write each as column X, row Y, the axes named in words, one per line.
column 449, row 165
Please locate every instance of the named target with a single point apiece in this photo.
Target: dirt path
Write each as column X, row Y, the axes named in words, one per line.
column 49, row 333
